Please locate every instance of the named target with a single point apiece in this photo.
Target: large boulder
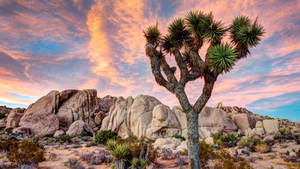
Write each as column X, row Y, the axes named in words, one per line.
column 242, row 121
column 77, row 105
column 164, row 123
column 213, row 120
column 143, row 116
column 271, row 126
column 106, row 102
column 14, row 117
column 40, row 116
column 210, row 120
column 78, row 127
column 117, row 115
column 140, row 116
column 166, row 143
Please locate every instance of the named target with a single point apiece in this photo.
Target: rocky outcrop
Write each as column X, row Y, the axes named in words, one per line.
column 211, row 120
column 106, row 102
column 117, row 116
column 143, row 116
column 14, row 117
column 78, row 127
column 241, row 120
column 58, row 110
column 164, row 123
column 252, row 118
column 77, row 105
column 40, row 116
column 271, row 126
column 4, row 110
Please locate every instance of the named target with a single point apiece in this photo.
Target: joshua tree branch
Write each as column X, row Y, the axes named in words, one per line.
column 209, row 81
column 155, row 66
column 169, row 71
column 182, row 66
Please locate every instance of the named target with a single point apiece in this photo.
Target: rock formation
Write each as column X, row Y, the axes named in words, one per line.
column 14, row 117
column 73, row 111
column 58, row 110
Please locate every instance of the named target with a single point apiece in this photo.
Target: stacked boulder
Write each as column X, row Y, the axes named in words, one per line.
column 56, row 111
column 142, row 116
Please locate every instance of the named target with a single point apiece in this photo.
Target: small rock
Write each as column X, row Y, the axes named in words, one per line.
column 209, row 140
column 269, row 139
column 52, row 156
column 59, row 133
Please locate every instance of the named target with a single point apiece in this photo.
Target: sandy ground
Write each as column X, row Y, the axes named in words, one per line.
column 65, row 152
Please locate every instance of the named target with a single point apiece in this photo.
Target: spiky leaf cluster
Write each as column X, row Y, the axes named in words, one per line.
column 198, row 22
column 152, row 35
column 215, row 32
column 221, row 58
column 177, row 34
column 243, row 33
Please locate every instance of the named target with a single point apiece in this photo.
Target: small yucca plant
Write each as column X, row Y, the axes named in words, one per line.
column 111, row 144
column 121, row 151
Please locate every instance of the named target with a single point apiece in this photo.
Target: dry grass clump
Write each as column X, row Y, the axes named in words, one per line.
column 22, row 152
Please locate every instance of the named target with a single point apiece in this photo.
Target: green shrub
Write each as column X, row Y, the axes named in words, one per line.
column 134, row 163
column 105, row 135
column 23, row 152
column 92, row 143
column 228, row 140
column 206, row 153
column 63, row 139
column 143, row 164
column 181, row 138
column 121, row 152
column 2, row 116
column 282, row 131
column 85, row 138
column 111, row 144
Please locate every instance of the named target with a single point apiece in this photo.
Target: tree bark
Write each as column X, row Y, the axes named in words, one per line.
column 193, row 139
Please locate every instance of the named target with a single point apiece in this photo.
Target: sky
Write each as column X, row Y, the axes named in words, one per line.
column 78, row 44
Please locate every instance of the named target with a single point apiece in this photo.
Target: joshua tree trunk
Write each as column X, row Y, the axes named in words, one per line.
column 193, row 139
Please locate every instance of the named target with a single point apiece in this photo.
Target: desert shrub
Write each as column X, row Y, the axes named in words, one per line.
column 206, row 153
column 6, row 145
column 85, row 133
column 262, row 147
column 185, row 152
column 9, row 130
column 217, row 135
column 63, row 139
column 181, row 138
column 85, row 138
column 152, row 152
column 111, row 144
column 143, row 164
column 25, row 151
column 282, row 131
column 104, row 135
column 134, row 163
column 228, row 140
column 121, row 152
column 2, row 116
column 251, row 142
column 226, row 161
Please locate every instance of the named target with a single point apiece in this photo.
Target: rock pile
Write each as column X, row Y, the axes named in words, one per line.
column 76, row 111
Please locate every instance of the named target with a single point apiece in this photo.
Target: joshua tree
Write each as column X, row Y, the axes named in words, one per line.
column 184, row 40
